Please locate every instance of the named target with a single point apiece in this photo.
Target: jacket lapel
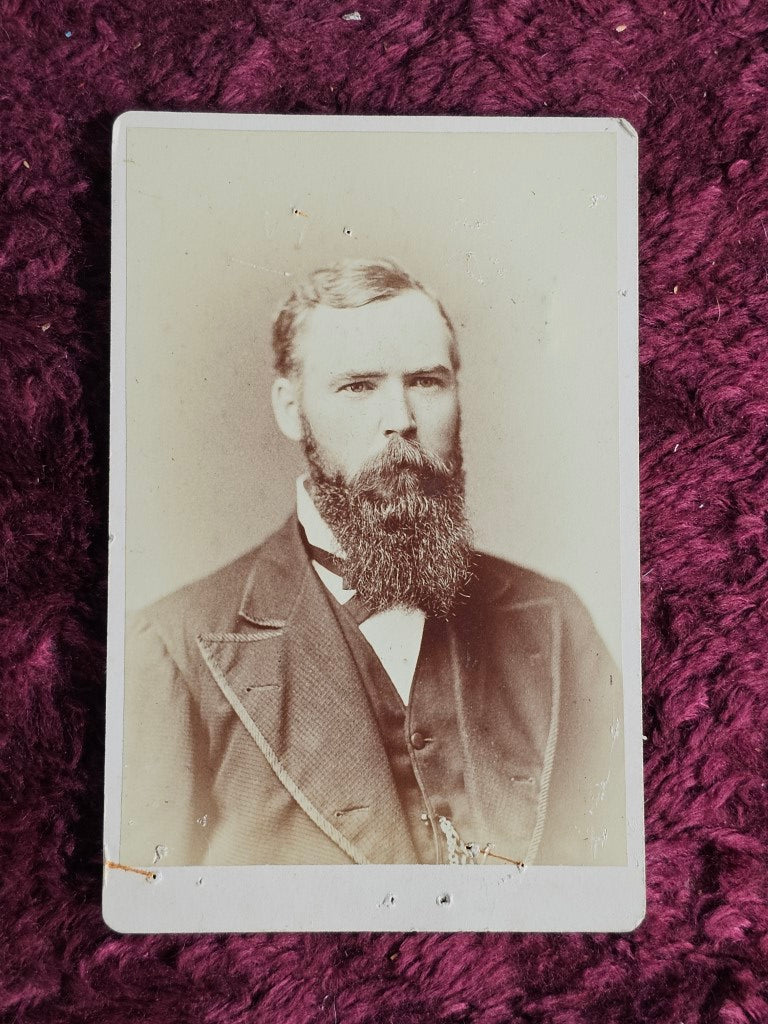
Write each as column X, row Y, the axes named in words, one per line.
column 291, row 679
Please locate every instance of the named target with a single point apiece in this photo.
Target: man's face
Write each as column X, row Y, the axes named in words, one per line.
column 374, row 372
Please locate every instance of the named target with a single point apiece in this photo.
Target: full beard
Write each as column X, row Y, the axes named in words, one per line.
column 401, row 523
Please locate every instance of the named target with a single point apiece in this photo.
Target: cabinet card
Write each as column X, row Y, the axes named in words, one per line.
column 374, row 642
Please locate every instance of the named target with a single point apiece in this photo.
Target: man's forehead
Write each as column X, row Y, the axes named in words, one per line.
column 405, row 331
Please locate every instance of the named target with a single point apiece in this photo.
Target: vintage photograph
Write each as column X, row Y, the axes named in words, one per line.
column 377, row 499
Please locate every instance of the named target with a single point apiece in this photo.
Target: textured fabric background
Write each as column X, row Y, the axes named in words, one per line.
column 693, row 79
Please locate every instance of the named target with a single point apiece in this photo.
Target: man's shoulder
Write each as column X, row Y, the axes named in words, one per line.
column 502, row 584
column 212, row 603
column 219, row 588
column 501, row 588
column 509, row 599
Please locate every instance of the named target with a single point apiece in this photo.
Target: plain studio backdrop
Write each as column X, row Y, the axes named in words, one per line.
column 515, row 232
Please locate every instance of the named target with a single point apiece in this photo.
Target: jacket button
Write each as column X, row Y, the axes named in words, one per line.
column 417, row 741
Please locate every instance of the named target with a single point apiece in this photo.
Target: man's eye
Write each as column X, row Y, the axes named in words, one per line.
column 357, row 387
column 426, row 382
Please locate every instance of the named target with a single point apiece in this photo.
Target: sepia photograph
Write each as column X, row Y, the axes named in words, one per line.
column 374, row 553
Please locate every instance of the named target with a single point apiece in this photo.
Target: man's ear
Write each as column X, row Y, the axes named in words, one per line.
column 285, row 406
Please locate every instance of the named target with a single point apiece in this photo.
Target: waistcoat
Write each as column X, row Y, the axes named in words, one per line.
column 421, row 739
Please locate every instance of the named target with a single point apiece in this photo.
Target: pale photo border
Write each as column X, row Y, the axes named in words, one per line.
column 381, row 897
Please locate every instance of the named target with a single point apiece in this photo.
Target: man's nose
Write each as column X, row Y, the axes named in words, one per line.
column 397, row 414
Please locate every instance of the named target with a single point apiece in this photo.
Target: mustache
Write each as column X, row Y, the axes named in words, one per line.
column 402, row 457
column 404, row 483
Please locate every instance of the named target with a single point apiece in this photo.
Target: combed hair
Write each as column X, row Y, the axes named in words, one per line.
column 348, row 284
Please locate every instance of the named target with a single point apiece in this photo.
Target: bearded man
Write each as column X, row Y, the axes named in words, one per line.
column 365, row 687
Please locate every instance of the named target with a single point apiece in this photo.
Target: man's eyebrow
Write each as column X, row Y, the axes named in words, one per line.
column 431, row 371
column 350, row 375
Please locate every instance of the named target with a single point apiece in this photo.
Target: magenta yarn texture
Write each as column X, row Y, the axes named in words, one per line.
column 692, row 77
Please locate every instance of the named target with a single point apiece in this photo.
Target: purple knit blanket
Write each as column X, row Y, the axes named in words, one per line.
column 692, row 77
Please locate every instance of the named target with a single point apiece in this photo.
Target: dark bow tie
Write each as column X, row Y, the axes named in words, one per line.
column 356, row 607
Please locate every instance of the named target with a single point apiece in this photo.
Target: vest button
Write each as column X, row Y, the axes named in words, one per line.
column 417, row 741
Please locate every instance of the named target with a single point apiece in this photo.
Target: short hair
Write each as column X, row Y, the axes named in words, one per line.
column 348, row 284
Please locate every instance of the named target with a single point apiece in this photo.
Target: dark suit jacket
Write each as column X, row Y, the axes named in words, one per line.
column 249, row 738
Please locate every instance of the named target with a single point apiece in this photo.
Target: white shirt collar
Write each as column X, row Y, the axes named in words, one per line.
column 317, row 531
